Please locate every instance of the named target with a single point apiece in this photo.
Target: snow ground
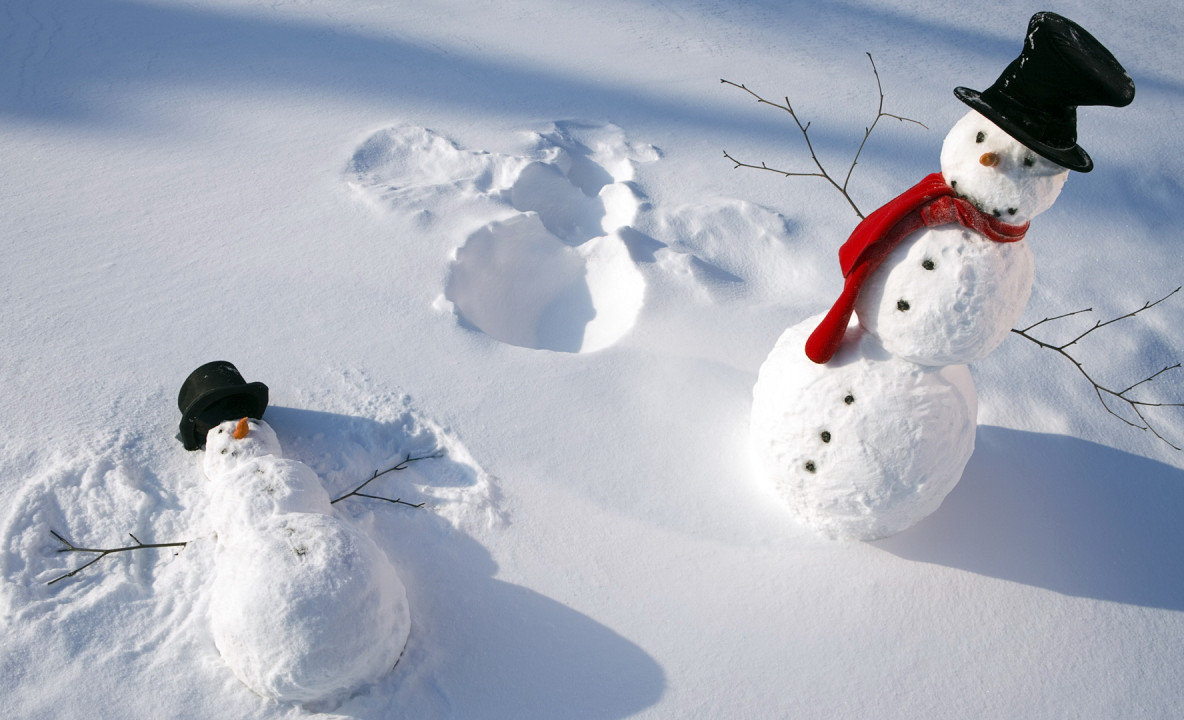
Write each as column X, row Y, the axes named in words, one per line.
column 507, row 230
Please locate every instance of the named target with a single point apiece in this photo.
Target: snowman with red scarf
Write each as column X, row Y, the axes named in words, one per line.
column 865, row 432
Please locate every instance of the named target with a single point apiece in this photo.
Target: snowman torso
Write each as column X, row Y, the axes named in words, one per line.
column 304, row 606
column 244, row 497
column 946, row 295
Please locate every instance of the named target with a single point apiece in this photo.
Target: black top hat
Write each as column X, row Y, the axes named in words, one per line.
column 1035, row 100
column 214, row 393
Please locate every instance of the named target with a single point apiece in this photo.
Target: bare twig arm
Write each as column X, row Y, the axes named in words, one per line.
column 868, row 130
column 103, row 552
column 1136, row 406
column 401, row 465
column 805, row 130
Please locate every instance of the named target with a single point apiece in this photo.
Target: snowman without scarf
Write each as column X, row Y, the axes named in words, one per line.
column 304, row 606
column 868, row 430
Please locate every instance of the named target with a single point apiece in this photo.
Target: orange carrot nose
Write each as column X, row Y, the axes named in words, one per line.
column 241, row 430
column 989, row 159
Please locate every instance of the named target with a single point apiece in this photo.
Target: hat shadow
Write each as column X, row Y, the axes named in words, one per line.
column 1063, row 514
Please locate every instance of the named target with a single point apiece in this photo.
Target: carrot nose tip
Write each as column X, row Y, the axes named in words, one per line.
column 989, row 159
column 241, row 430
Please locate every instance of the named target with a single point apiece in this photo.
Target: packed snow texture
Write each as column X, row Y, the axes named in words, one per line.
column 946, row 295
column 304, row 606
column 335, row 197
column 865, row 445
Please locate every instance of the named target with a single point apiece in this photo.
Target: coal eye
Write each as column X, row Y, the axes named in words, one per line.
column 980, row 137
column 1029, row 161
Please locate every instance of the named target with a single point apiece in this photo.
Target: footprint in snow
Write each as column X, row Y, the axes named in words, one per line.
column 555, row 275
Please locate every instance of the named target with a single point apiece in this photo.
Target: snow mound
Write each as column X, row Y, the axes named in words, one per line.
column 733, row 249
column 553, row 274
column 398, row 167
column 518, row 283
column 581, row 185
column 305, row 607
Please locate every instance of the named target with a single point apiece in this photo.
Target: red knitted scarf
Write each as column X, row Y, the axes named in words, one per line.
column 929, row 203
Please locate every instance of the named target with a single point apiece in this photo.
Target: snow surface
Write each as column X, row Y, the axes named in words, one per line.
column 506, row 231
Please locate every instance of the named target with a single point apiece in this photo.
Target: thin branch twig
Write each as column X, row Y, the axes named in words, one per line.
column 103, row 552
column 1103, row 392
column 805, row 130
column 401, row 465
column 879, row 114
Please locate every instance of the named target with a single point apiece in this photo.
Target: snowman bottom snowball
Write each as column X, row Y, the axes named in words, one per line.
column 309, row 613
column 865, row 445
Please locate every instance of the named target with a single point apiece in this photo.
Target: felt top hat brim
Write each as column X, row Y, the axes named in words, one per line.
column 1036, row 98
column 212, row 394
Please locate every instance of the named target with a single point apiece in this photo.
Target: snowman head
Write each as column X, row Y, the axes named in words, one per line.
column 998, row 173
column 234, row 442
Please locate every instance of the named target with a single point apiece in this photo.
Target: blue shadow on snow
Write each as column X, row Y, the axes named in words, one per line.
column 1063, row 514
column 479, row 646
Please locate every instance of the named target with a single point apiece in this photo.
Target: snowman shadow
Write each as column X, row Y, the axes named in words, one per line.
column 1063, row 514
column 484, row 647
column 479, row 646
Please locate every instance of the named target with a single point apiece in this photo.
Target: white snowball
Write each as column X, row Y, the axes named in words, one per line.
column 244, row 497
column 304, row 607
column 307, row 608
column 947, row 295
column 1021, row 184
column 865, row 445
